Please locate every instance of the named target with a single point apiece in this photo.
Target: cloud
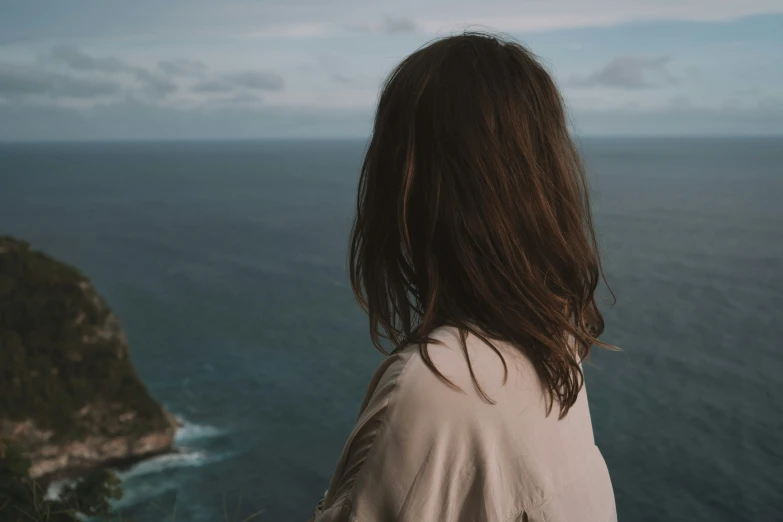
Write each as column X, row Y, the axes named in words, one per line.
column 516, row 16
column 213, row 86
column 246, row 100
column 236, row 117
column 211, row 21
column 182, row 67
column 261, row 80
column 76, row 59
column 251, row 80
column 152, row 83
column 158, row 82
column 17, row 81
column 397, row 25
column 83, row 88
column 301, row 30
column 628, row 72
column 341, row 78
column 389, row 25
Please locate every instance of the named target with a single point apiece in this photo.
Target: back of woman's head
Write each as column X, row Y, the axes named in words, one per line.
column 473, row 211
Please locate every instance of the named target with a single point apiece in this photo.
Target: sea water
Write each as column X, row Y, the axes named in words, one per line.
column 225, row 262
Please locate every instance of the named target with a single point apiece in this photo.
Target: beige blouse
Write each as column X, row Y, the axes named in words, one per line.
column 423, row 451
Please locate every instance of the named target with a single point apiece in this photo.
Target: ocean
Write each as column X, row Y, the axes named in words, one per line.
column 225, row 262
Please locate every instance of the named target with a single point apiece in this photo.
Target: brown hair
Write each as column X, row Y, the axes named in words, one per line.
column 473, row 212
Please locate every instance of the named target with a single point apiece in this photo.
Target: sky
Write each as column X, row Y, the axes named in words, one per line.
column 192, row 69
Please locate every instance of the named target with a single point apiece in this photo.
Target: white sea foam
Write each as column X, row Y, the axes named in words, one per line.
column 183, row 458
column 189, row 431
column 136, row 491
column 144, row 480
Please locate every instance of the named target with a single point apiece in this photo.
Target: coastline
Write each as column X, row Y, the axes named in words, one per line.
column 69, row 459
column 119, row 464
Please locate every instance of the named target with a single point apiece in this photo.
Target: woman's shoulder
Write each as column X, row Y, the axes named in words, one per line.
column 419, row 438
column 490, row 397
column 498, row 369
column 445, row 382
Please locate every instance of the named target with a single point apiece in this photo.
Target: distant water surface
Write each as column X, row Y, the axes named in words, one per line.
column 225, row 262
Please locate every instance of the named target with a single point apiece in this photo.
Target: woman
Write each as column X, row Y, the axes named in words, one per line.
column 474, row 254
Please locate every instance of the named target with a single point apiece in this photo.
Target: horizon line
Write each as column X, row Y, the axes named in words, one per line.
column 365, row 138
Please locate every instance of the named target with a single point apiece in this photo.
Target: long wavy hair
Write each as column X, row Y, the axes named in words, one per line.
column 473, row 212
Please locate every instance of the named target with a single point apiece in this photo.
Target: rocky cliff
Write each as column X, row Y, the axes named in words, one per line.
column 68, row 392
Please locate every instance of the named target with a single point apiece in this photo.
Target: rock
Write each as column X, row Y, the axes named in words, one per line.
column 68, row 392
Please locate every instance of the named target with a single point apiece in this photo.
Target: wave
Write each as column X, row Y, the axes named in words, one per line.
column 147, row 479
column 189, row 431
column 181, row 457
column 151, row 466
column 165, row 462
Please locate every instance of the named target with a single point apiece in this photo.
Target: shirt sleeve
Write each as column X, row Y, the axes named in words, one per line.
column 412, row 455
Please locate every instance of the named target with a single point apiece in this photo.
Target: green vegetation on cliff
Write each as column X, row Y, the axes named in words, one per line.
column 63, row 355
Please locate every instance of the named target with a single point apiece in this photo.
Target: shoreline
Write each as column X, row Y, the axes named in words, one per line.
column 118, row 465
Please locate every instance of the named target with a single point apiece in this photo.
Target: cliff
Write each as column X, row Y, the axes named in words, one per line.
column 68, row 392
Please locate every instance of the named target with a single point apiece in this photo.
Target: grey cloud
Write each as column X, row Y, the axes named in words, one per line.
column 244, row 98
column 84, row 88
column 389, row 25
column 153, row 84
column 341, row 78
column 213, row 86
column 629, row 72
column 182, row 67
column 237, row 100
column 77, row 59
column 396, row 25
column 18, row 81
column 252, row 80
column 135, row 119
column 261, row 80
